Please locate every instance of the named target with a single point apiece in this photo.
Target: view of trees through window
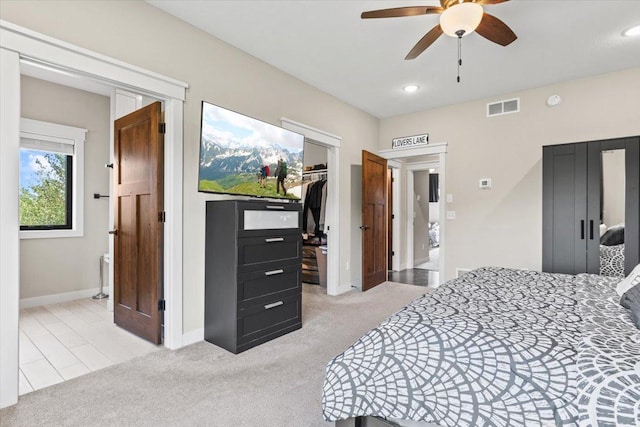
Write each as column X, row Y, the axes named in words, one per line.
column 45, row 184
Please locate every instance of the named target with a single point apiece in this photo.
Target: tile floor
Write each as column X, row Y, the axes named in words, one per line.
column 62, row 341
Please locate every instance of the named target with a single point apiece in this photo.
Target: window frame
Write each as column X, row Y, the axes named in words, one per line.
column 45, row 131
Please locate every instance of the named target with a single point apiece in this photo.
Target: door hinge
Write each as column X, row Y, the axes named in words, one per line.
column 162, row 216
column 393, row 216
column 393, row 253
column 162, row 127
column 161, row 305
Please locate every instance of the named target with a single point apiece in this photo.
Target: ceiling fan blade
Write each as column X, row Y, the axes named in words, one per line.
column 398, row 12
column 487, row 2
column 425, row 42
column 493, row 29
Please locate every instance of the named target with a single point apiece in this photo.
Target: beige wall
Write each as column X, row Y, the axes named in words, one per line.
column 140, row 34
column 421, row 216
column 503, row 226
column 314, row 154
column 51, row 266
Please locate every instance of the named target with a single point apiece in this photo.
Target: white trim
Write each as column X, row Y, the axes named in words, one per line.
column 325, row 138
column 36, row 129
column 332, row 216
column 193, row 337
column 59, row 55
column 410, row 218
column 9, row 225
column 46, row 50
column 56, row 298
column 173, row 249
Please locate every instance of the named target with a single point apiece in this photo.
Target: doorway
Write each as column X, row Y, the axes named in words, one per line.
column 64, row 332
column 331, row 143
column 315, row 244
column 406, row 163
column 17, row 47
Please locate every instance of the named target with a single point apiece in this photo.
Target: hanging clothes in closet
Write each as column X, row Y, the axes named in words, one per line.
column 314, row 206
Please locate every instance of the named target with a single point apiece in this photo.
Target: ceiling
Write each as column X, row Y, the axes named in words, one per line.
column 326, row 44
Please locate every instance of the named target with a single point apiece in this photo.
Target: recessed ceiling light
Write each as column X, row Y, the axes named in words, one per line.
column 631, row 32
column 411, row 88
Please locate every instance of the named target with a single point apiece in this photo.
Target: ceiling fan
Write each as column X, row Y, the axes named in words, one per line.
column 458, row 18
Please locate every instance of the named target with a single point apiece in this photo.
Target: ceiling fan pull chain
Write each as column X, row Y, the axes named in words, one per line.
column 459, row 55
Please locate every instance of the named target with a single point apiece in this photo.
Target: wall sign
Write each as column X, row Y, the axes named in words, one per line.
column 410, row 141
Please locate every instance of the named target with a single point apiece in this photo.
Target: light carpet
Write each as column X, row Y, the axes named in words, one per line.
column 278, row 383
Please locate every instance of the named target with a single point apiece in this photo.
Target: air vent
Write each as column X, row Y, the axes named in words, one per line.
column 507, row 106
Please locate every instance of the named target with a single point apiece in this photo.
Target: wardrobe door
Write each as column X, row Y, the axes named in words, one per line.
column 632, row 207
column 564, row 207
column 614, row 197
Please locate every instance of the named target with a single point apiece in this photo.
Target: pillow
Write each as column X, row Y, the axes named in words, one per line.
column 613, row 236
column 632, row 296
column 630, row 281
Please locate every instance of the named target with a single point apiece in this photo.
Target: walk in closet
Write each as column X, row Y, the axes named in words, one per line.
column 314, row 201
column 591, row 207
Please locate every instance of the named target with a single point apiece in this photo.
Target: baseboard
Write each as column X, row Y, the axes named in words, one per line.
column 56, row 298
column 192, row 337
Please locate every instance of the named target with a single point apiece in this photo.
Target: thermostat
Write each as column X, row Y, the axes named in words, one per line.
column 484, row 183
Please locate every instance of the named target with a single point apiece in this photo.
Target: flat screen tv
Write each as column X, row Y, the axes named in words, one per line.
column 241, row 155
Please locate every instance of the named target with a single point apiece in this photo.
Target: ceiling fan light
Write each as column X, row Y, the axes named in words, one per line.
column 632, row 32
column 461, row 16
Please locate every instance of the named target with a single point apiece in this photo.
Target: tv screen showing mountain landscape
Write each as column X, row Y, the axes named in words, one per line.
column 244, row 156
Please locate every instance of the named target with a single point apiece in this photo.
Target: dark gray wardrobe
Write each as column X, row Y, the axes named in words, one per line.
column 573, row 197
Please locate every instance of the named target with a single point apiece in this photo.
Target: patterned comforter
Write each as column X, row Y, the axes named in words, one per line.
column 497, row 347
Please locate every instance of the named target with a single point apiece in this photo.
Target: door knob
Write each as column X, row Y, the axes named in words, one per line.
column 114, row 232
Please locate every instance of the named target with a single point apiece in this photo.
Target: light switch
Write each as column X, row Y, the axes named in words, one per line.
column 451, row 214
column 449, row 198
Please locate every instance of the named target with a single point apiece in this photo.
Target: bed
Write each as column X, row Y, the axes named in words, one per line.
column 497, row 347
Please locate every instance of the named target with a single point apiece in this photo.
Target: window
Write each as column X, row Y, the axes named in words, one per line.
column 51, row 180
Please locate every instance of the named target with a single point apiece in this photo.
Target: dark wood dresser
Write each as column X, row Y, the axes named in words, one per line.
column 253, row 261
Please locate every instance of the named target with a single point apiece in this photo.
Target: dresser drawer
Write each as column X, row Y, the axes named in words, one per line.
column 259, row 320
column 266, row 252
column 267, row 219
column 259, row 286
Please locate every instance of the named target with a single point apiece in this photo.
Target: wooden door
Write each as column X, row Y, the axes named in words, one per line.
column 138, row 222
column 374, row 220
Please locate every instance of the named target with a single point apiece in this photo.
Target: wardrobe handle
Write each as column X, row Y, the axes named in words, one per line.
column 272, row 272
column 582, row 229
column 591, row 229
column 274, row 239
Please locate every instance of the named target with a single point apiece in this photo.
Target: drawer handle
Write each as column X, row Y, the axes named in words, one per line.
column 274, row 239
column 273, row 304
column 274, row 207
column 272, row 272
